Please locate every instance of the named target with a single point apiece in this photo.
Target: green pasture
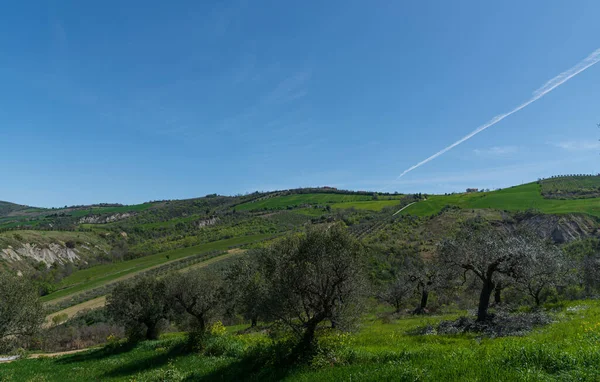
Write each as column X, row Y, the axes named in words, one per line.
column 512, row 199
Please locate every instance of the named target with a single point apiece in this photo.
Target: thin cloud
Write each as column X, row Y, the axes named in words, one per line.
column 555, row 82
column 496, row 151
column 291, row 88
column 581, row 145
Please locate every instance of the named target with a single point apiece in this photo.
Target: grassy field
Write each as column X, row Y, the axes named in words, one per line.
column 515, row 198
column 567, row 350
column 92, row 277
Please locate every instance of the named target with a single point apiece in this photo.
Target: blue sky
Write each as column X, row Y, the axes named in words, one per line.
column 109, row 102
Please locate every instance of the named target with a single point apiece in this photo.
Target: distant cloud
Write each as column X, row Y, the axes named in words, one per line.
column 289, row 89
column 496, row 151
column 580, row 145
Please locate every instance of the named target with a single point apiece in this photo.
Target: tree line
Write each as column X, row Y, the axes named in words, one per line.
column 323, row 279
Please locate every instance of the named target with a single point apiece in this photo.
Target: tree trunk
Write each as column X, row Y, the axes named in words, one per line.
column 306, row 344
column 498, row 294
column 309, row 336
column 422, row 309
column 536, row 297
column 484, row 300
column 152, row 332
column 253, row 322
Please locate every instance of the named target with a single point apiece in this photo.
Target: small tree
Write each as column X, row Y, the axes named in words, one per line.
column 482, row 250
column 314, row 277
column 246, row 287
column 396, row 292
column 425, row 276
column 544, row 266
column 141, row 306
column 21, row 313
column 198, row 294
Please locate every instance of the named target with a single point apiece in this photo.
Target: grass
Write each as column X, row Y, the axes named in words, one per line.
column 566, row 350
column 95, row 276
column 513, row 199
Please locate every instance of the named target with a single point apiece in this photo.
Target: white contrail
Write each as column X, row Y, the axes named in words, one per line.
column 590, row 60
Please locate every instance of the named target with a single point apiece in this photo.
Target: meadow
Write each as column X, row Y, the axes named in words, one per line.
column 382, row 350
column 524, row 197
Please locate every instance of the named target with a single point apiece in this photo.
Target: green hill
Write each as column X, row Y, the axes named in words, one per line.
column 7, row 207
column 527, row 196
column 571, row 187
column 109, row 240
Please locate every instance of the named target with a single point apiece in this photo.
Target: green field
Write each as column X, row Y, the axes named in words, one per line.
column 95, row 276
column 512, row 199
column 567, row 350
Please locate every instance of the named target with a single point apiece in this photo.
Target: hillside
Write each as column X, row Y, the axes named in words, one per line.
column 518, row 198
column 7, row 208
column 571, row 187
column 76, row 251
column 77, row 255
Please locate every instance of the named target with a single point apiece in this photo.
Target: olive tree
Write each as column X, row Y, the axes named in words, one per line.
column 314, row 277
column 544, row 266
column 246, row 287
column 141, row 306
column 425, row 277
column 396, row 291
column 21, row 313
column 486, row 252
column 198, row 294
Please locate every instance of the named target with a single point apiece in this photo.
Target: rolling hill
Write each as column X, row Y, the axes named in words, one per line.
column 74, row 251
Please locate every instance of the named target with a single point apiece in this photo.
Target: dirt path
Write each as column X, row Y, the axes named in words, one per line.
column 99, row 302
column 403, row 208
column 95, row 303
column 43, row 355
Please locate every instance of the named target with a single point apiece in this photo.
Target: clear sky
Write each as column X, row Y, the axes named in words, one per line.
column 123, row 101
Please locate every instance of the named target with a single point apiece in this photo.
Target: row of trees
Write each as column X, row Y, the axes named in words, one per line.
column 490, row 258
column 321, row 277
column 300, row 281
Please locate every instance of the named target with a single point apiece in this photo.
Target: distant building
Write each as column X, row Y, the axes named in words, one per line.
column 472, row 189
